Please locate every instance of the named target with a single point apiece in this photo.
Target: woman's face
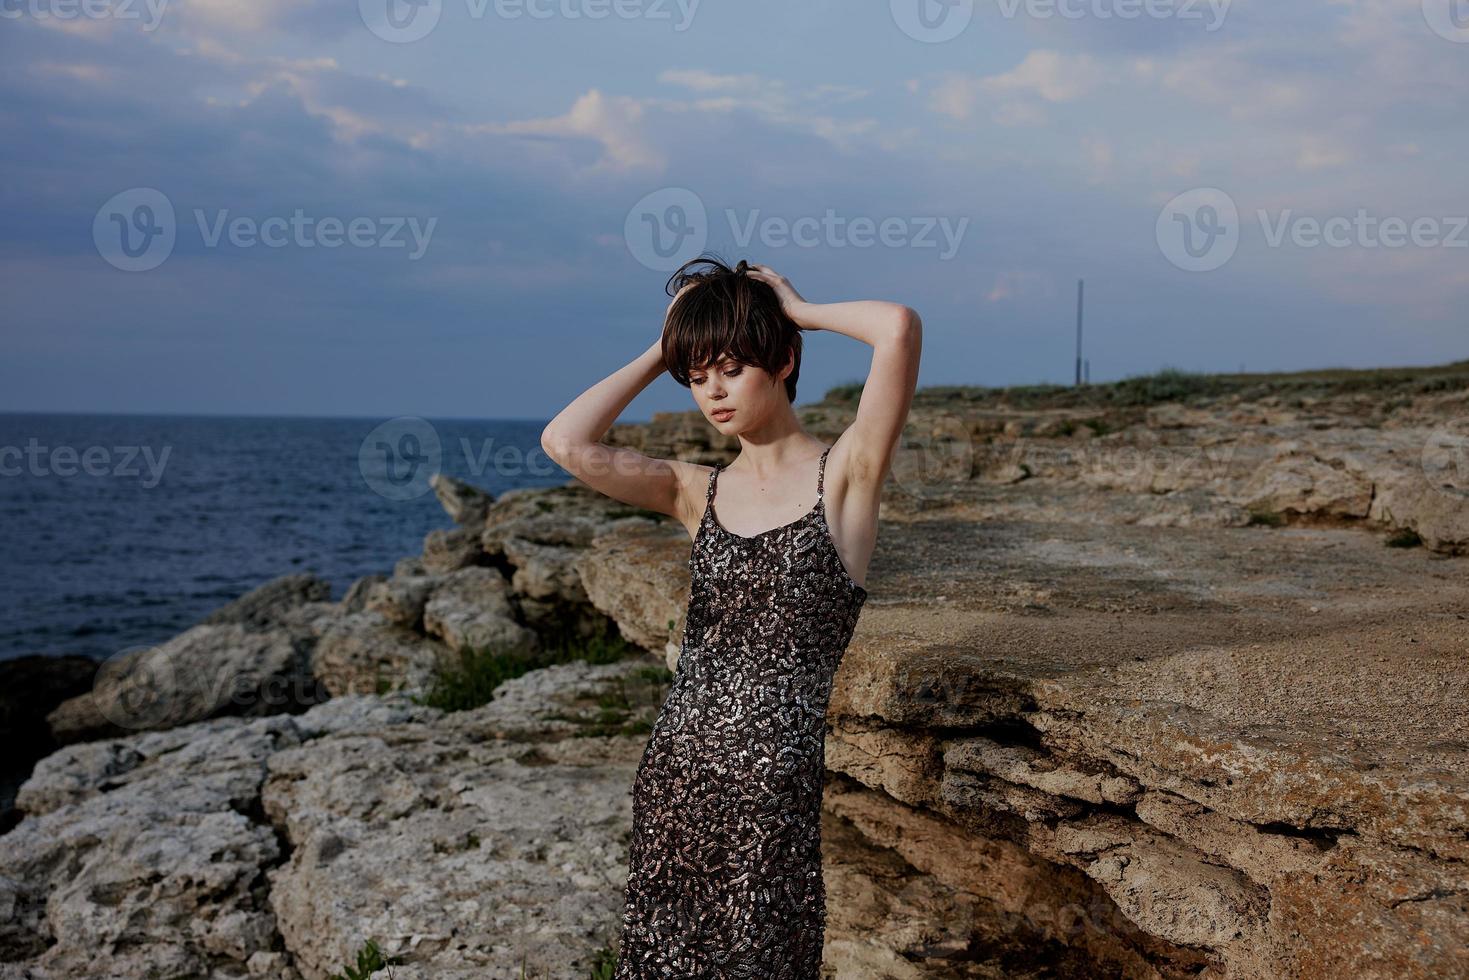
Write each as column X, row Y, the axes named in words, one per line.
column 734, row 396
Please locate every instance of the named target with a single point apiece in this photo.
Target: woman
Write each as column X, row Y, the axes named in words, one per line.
column 724, row 875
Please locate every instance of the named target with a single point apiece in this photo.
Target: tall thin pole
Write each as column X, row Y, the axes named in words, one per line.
column 1080, row 295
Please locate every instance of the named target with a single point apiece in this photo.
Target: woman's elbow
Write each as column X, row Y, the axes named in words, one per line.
column 910, row 324
column 553, row 444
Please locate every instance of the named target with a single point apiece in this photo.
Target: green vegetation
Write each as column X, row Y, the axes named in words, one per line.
column 604, row 962
column 1267, row 518
column 370, row 959
column 1168, row 385
column 1396, row 386
column 1404, row 537
column 469, row 680
column 616, row 712
column 848, row 391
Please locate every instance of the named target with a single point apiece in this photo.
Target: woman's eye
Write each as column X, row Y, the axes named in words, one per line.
column 734, row 372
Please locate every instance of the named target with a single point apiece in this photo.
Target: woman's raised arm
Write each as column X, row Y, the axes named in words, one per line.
column 895, row 333
column 573, row 440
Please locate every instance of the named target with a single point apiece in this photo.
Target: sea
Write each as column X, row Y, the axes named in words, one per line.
column 120, row 531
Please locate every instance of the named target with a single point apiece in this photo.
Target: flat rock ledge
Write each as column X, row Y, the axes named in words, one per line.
column 1139, row 692
column 469, row 844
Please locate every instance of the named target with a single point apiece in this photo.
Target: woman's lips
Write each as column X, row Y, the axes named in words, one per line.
column 722, row 415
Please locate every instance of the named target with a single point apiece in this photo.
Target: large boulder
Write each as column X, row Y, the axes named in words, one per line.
column 478, row 843
column 203, row 672
column 366, row 653
column 470, row 610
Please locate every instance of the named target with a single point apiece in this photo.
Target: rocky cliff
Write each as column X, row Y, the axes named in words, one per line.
column 1159, row 679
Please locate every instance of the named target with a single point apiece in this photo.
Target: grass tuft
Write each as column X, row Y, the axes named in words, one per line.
column 370, row 959
column 468, row 680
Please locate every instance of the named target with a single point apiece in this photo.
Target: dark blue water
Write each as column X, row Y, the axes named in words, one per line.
column 124, row 530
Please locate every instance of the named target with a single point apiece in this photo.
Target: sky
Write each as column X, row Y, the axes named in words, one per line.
column 470, row 208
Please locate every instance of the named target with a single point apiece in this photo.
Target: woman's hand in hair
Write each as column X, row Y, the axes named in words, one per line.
column 675, row 299
column 791, row 301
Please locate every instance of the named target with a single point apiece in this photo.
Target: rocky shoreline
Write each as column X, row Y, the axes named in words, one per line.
column 1142, row 691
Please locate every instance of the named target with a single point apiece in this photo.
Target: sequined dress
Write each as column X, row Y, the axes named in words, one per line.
column 724, row 863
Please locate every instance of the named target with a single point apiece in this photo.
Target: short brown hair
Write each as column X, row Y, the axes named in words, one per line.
column 727, row 313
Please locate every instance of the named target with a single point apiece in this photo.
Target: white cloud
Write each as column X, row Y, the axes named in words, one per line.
column 613, row 122
column 1017, row 97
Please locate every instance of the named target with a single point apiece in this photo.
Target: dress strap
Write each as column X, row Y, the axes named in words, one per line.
column 713, row 475
column 821, row 472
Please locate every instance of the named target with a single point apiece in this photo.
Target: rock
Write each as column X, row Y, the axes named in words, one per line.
column 400, row 600
column 266, row 606
column 364, row 653
column 465, row 504
column 449, row 550
column 470, row 610
column 483, row 840
column 356, row 598
column 545, row 572
column 1299, row 482
column 1029, row 767
column 30, row 688
column 639, row 576
column 148, row 863
column 208, row 670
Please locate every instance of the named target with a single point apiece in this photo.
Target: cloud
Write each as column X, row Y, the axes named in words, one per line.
column 615, row 123
column 1017, row 97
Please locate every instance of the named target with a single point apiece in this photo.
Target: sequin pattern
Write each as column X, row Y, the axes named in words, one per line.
column 724, row 862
